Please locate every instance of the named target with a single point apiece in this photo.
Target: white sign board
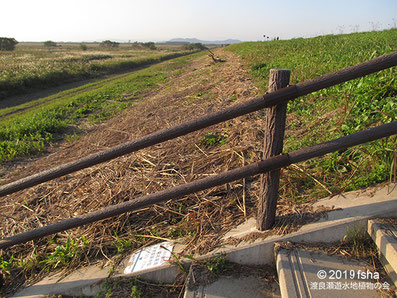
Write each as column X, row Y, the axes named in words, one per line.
column 149, row 257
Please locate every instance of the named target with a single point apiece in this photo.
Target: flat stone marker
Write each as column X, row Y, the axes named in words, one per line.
column 149, row 257
column 304, row 273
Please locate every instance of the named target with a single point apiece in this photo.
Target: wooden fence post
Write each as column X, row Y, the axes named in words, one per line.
column 273, row 145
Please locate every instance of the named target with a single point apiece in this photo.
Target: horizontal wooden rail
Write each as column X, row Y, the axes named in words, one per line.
column 263, row 166
column 264, row 101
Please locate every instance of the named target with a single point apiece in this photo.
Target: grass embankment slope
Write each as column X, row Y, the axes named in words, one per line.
column 196, row 88
column 29, row 128
column 337, row 111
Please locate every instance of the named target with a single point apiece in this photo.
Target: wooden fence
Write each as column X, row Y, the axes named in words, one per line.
column 269, row 167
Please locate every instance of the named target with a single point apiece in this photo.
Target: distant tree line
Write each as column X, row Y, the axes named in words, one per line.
column 195, row 46
column 7, row 44
column 50, row 44
column 150, row 45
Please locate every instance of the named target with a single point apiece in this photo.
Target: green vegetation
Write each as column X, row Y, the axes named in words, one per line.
column 194, row 46
column 150, row 45
column 109, row 44
column 136, row 288
column 218, row 265
column 142, row 45
column 31, row 131
column 50, row 44
column 33, row 66
column 333, row 112
column 83, row 47
column 214, row 139
column 67, row 253
column 360, row 243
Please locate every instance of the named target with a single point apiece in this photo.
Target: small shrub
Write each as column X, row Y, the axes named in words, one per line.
column 150, row 45
column 83, row 47
column 109, row 44
column 50, row 44
column 195, row 46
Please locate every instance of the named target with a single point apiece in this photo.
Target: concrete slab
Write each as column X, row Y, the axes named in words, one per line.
column 392, row 274
column 82, row 282
column 246, row 282
column 357, row 198
column 304, row 273
column 384, row 234
column 246, row 286
column 242, row 230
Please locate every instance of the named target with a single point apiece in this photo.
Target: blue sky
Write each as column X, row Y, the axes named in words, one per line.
column 159, row 20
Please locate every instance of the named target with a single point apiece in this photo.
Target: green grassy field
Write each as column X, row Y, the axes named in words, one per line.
column 33, row 66
column 333, row 112
column 34, row 125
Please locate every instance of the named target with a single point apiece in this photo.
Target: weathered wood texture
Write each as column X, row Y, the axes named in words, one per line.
column 273, row 145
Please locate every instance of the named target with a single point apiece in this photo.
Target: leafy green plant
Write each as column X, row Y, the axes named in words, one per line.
column 65, row 254
column 214, row 139
column 72, row 138
column 6, row 264
column 123, row 244
column 218, row 264
column 136, row 292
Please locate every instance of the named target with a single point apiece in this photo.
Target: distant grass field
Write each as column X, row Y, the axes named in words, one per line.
column 44, row 121
column 33, row 66
column 336, row 111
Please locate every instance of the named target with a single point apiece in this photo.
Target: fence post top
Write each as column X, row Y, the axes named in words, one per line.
column 280, row 70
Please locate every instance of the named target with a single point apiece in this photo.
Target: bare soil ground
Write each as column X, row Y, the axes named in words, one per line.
column 200, row 219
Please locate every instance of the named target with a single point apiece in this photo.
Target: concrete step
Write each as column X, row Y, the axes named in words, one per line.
column 384, row 234
column 245, row 282
column 304, row 273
